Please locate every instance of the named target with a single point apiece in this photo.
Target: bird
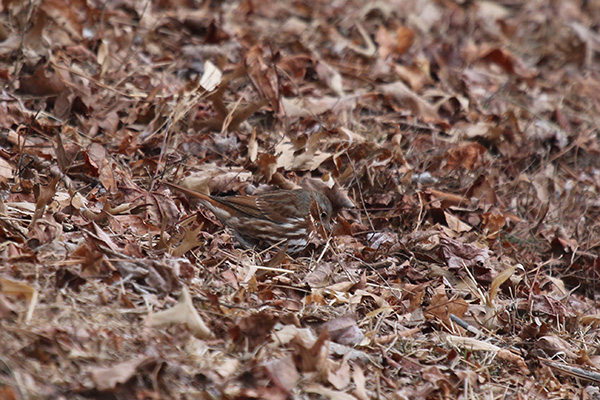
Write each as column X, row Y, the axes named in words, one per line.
column 286, row 219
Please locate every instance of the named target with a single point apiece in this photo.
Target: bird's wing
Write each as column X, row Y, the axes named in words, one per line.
column 270, row 206
column 244, row 204
column 266, row 206
column 278, row 206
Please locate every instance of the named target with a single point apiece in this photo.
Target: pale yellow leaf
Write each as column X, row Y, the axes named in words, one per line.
column 498, row 281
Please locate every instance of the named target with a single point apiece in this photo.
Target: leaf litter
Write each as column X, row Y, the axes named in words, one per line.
column 457, row 142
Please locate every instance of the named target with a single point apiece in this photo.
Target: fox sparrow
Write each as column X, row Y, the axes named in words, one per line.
column 277, row 218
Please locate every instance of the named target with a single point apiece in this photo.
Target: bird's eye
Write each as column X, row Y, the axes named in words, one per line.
column 323, row 214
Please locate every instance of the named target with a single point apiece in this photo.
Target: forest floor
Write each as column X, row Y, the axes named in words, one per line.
column 457, row 140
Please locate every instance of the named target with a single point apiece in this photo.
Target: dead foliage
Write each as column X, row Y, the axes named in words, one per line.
column 457, row 142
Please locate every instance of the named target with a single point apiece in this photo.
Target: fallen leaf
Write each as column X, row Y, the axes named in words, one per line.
column 554, row 345
column 343, row 330
column 498, row 281
column 253, row 330
column 340, row 377
column 211, row 78
column 358, row 377
column 183, row 313
column 284, row 372
column 456, row 224
column 41, row 83
column 331, row 77
column 328, row 393
column 311, row 357
column 107, row 378
column 406, row 98
column 97, row 157
column 441, row 307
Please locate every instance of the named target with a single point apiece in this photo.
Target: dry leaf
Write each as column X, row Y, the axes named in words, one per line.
column 339, row 377
column 456, row 224
column 284, row 372
column 498, row 281
column 183, row 313
column 343, row 330
column 211, row 78
column 12, row 287
column 410, row 100
column 328, row 393
column 190, row 241
column 331, row 77
column 107, row 378
column 358, row 377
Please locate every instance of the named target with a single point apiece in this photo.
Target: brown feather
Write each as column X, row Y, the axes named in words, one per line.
column 287, row 218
